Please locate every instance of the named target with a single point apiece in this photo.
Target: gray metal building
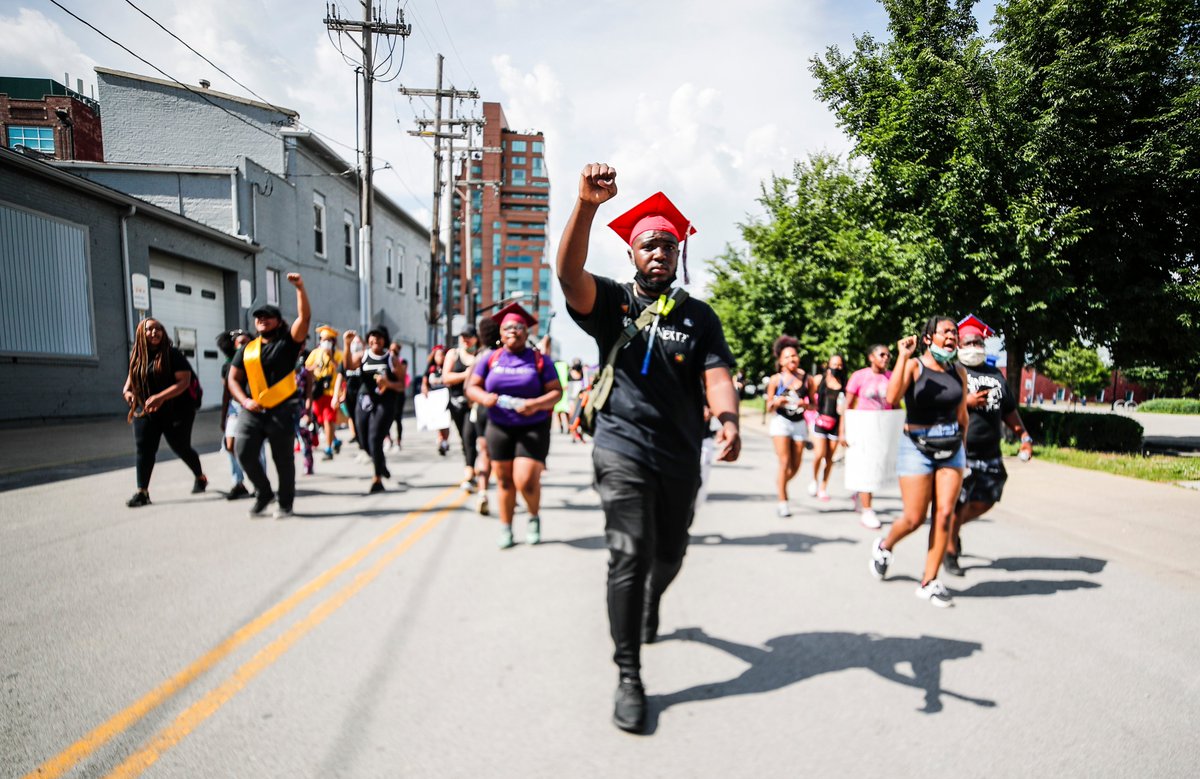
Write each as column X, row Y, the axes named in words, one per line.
column 68, row 250
column 248, row 169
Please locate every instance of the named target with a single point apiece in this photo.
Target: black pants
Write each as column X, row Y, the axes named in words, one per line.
column 148, row 430
column 647, row 514
column 461, row 414
column 373, row 420
column 276, row 426
column 401, row 402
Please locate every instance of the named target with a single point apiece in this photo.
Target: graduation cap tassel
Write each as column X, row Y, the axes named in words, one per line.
column 686, row 280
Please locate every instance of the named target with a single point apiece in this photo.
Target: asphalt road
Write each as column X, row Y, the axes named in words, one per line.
column 387, row 635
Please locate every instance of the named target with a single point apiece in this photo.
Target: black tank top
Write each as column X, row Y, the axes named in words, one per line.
column 933, row 398
column 456, row 390
column 827, row 399
column 372, row 365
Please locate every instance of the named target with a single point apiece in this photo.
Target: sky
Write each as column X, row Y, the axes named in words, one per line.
column 700, row 99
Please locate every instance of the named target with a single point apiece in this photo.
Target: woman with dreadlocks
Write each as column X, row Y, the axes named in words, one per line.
column 160, row 406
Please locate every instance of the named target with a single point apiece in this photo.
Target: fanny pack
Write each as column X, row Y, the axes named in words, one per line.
column 826, row 423
column 939, row 442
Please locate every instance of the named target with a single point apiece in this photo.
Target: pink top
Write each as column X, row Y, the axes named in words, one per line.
column 871, row 389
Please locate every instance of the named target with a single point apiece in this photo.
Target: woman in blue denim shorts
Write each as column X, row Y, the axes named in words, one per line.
column 931, row 457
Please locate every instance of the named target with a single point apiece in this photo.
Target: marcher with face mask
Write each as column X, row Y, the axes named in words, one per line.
column 665, row 359
column 867, row 391
column 825, row 429
column 375, row 406
column 156, row 390
column 990, row 404
column 787, row 399
column 322, row 365
column 262, row 378
column 931, row 457
column 459, row 365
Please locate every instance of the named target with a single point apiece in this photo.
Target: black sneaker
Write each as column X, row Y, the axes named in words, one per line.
column 199, row 486
column 239, row 491
column 950, row 563
column 261, row 501
column 139, row 499
column 629, row 711
column 376, row 486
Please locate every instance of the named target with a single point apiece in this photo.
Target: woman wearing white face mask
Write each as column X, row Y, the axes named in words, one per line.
column 931, row 459
column 322, row 364
column 989, row 403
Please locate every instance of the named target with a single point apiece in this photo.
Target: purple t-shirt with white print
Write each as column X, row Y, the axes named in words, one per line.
column 516, row 375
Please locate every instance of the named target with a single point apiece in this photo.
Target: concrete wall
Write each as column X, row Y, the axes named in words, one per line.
column 33, row 387
column 145, row 121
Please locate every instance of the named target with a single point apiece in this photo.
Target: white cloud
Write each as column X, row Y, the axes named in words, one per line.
column 34, row 46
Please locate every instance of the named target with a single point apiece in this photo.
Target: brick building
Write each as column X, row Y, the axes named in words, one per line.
column 509, row 209
column 1037, row 388
column 46, row 117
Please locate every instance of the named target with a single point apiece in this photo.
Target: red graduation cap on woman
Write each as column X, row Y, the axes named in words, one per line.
column 973, row 325
column 514, row 313
column 655, row 213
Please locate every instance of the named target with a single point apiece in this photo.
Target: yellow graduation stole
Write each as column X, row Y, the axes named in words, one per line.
column 267, row 397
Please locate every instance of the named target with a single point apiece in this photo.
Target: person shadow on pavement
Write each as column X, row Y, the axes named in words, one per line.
column 786, row 660
column 785, row 541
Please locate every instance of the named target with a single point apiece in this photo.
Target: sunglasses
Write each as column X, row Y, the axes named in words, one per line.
column 513, row 328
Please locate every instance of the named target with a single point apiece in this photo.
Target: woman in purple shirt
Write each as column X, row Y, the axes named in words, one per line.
column 518, row 386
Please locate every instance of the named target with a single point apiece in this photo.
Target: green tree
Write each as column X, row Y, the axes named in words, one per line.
column 937, row 115
column 821, row 266
column 1077, row 368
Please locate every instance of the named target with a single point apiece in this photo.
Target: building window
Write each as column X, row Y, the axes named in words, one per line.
column 36, row 138
column 389, row 262
column 539, row 168
column 348, row 240
column 518, row 161
column 518, row 177
column 517, row 146
column 272, row 287
column 319, row 224
column 400, row 270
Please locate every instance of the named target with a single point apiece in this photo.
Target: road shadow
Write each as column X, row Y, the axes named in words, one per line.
column 786, row 660
column 588, row 543
column 740, row 497
column 997, row 589
column 783, row 541
column 1080, row 564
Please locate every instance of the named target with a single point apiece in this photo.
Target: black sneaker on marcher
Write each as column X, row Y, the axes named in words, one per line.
column 261, row 501
column 139, row 499
column 950, row 563
column 199, row 486
column 376, row 486
column 239, row 491
column 629, row 711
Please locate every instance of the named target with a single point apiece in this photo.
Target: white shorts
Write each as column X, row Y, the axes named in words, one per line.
column 782, row 427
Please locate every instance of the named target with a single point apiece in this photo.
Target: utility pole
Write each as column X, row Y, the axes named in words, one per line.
column 368, row 27
column 438, row 134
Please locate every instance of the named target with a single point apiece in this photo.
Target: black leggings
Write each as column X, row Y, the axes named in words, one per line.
column 276, row 426
column 466, row 431
column 148, row 430
column 647, row 514
column 373, row 425
column 401, row 402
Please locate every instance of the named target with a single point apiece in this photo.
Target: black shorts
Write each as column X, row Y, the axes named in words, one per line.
column 480, row 421
column 984, row 481
column 506, row 442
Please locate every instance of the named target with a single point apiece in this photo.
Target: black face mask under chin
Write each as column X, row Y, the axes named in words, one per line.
column 654, row 287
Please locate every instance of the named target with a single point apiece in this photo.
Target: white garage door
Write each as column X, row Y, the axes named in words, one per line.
column 189, row 299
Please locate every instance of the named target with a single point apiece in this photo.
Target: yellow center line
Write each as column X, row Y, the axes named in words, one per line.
column 198, row 712
column 124, row 719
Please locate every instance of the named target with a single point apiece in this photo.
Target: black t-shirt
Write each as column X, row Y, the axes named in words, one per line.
column 176, row 362
column 656, row 419
column 986, row 422
column 278, row 356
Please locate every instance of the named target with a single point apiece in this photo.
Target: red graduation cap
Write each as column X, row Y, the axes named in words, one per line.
column 974, row 323
column 514, row 311
column 656, row 212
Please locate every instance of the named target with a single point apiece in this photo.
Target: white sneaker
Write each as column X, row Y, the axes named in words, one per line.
column 869, row 519
column 482, row 506
column 467, row 485
column 812, row 489
column 782, row 509
column 936, row 593
column 880, row 559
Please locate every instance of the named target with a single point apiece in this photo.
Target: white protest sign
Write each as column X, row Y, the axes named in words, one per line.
column 433, row 410
column 873, row 437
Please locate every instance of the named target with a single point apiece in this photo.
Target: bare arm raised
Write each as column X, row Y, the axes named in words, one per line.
column 597, row 184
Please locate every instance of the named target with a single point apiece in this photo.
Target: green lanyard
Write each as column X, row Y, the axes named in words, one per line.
column 665, row 306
